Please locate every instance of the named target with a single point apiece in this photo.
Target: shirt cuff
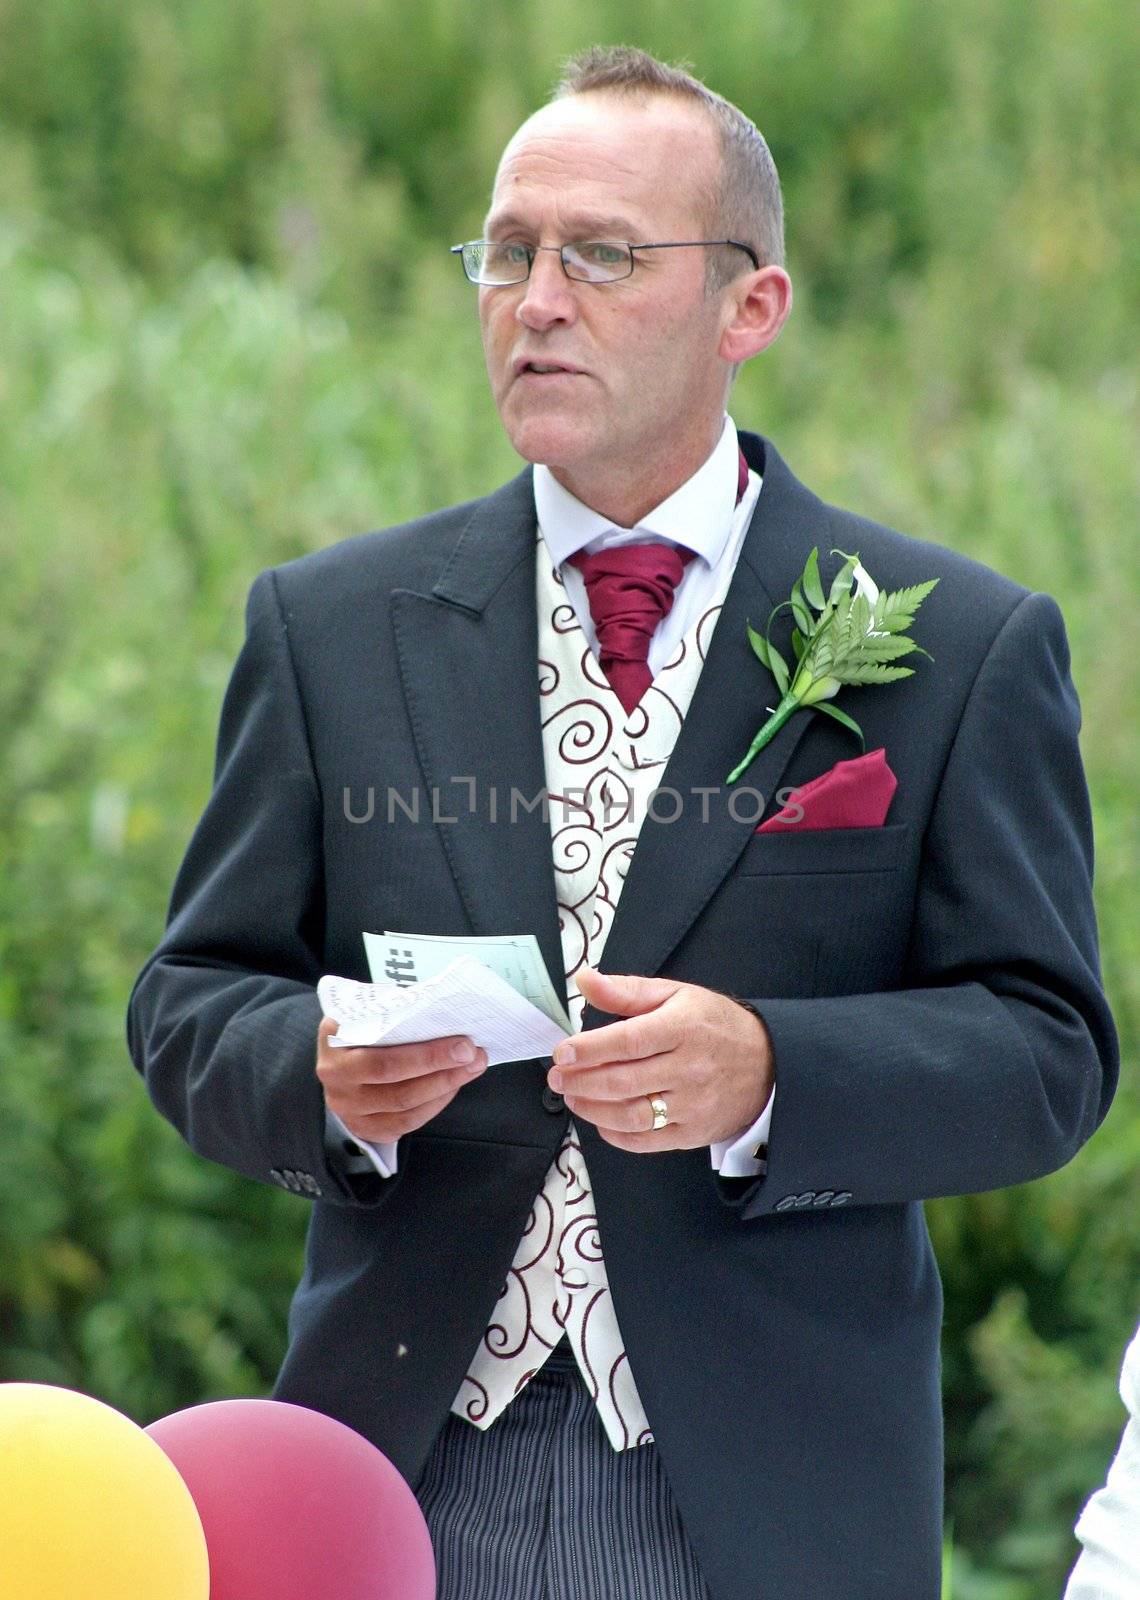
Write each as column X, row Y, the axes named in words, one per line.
column 746, row 1155
column 356, row 1155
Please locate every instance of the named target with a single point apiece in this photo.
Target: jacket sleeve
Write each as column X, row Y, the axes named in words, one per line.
column 997, row 1057
column 223, row 1019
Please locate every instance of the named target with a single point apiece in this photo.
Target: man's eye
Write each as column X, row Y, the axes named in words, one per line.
column 509, row 255
column 604, row 253
column 599, row 253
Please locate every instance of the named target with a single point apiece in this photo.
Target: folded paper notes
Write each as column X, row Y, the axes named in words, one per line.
column 448, row 989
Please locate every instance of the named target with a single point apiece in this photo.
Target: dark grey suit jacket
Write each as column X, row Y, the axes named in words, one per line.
column 931, row 989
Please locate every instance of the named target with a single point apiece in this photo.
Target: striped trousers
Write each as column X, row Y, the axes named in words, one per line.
column 541, row 1507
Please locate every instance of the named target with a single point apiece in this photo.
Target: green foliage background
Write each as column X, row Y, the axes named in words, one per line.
column 230, row 332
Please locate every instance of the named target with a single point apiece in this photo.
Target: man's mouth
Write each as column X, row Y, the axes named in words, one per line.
column 545, row 369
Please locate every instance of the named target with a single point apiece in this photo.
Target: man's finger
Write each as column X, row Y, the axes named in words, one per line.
column 404, row 1094
column 634, row 1040
column 618, row 1116
column 614, row 1081
column 383, row 1127
column 623, row 994
column 391, row 1063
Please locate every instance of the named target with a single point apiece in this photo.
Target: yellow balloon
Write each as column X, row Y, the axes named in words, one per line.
column 90, row 1507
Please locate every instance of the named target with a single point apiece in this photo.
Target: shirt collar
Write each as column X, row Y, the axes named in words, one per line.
column 698, row 515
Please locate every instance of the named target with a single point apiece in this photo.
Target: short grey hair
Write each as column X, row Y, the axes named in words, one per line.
column 747, row 204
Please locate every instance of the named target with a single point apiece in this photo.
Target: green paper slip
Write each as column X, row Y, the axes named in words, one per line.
column 407, row 958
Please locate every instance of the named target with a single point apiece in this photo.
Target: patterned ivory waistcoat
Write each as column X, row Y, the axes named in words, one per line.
column 602, row 767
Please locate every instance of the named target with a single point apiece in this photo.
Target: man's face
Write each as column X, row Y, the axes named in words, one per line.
column 636, row 402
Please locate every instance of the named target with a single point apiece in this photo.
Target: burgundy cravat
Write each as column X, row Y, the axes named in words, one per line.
column 630, row 590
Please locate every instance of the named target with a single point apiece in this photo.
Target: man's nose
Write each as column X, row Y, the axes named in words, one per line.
column 548, row 294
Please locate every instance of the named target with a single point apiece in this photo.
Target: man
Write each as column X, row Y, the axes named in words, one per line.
column 799, row 1035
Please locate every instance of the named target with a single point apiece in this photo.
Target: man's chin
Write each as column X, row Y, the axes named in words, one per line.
column 545, row 439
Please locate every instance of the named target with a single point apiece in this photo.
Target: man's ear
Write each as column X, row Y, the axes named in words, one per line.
column 758, row 306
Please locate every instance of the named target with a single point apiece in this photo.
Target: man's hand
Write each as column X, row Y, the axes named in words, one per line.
column 708, row 1057
column 381, row 1092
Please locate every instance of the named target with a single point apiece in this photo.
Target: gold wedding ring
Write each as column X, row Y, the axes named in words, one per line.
column 659, row 1109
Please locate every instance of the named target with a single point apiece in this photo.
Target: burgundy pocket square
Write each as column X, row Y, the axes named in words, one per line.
column 851, row 794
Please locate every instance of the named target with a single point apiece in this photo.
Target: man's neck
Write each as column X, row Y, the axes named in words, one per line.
column 627, row 493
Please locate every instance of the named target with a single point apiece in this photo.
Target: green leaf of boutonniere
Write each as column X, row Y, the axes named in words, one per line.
column 812, row 587
column 855, row 639
column 772, row 659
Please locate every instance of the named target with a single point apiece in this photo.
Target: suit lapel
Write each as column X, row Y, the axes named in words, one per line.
column 695, row 852
column 468, row 661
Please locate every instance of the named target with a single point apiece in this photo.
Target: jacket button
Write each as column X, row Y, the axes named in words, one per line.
column 552, row 1101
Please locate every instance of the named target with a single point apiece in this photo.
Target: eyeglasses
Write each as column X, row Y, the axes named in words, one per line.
column 590, row 261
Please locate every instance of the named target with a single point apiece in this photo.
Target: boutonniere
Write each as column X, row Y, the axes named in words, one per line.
column 854, row 639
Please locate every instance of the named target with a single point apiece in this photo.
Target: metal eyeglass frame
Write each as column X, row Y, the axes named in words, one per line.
column 533, row 249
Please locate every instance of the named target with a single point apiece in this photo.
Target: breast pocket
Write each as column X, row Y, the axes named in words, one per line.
column 826, row 850
column 835, row 906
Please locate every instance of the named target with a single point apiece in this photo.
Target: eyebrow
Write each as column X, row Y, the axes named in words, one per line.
column 585, row 225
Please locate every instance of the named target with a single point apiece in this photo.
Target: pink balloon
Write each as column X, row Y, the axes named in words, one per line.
column 295, row 1505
